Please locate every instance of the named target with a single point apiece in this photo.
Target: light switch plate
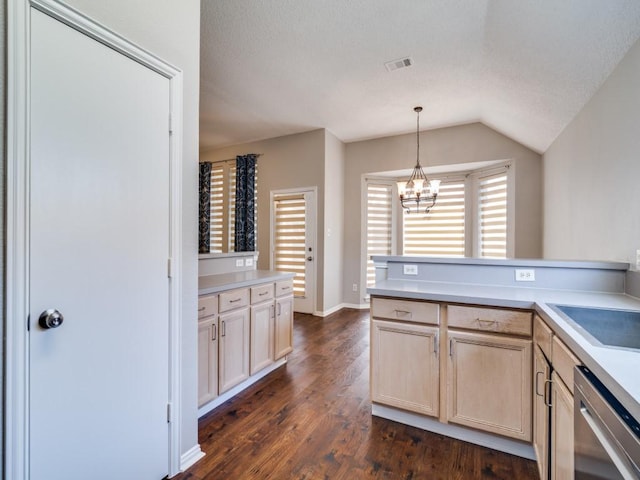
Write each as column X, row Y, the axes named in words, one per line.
column 410, row 269
column 239, row 262
column 248, row 262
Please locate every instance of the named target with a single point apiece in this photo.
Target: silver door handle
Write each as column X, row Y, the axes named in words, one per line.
column 51, row 318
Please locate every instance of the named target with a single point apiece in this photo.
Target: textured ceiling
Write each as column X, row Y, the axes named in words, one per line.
column 522, row 67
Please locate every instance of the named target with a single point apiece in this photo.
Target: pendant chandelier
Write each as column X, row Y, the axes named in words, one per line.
column 418, row 191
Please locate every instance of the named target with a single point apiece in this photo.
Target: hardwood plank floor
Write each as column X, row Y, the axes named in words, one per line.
column 311, row 419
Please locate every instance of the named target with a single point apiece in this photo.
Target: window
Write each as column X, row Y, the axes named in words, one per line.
column 379, row 227
column 441, row 232
column 492, row 207
column 222, row 212
column 290, row 214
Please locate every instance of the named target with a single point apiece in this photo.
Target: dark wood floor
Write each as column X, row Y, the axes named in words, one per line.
column 311, row 419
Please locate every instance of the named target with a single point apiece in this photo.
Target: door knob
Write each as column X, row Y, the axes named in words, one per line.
column 51, row 318
column 309, row 258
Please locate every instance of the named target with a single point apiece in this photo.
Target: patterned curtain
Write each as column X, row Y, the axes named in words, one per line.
column 205, row 207
column 245, row 240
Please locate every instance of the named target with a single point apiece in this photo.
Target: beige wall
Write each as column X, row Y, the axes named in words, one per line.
column 3, row 161
column 333, row 221
column 293, row 161
column 171, row 30
column 446, row 146
column 592, row 173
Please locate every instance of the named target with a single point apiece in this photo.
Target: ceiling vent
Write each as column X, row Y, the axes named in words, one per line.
column 399, row 63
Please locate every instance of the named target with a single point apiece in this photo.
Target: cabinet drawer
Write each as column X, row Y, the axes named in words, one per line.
column 284, row 287
column 542, row 335
column 563, row 362
column 406, row 310
column 207, row 305
column 489, row 319
column 234, row 299
column 261, row 293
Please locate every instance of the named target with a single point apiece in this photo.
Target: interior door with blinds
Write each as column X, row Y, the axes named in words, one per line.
column 293, row 249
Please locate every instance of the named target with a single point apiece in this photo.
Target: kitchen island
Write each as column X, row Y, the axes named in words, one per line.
column 464, row 336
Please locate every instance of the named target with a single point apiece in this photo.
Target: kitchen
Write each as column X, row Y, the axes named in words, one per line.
column 586, row 196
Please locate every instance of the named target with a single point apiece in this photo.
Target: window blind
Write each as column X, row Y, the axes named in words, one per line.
column 217, row 231
column 290, row 239
column 493, row 215
column 379, row 225
column 441, row 231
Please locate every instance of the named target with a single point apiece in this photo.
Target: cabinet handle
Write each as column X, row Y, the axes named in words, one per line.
column 435, row 344
column 262, row 294
column 223, row 330
column 537, row 383
column 485, row 321
column 451, row 347
column 234, row 301
column 201, row 309
column 547, row 398
column 279, row 309
column 402, row 313
column 213, row 334
column 273, row 311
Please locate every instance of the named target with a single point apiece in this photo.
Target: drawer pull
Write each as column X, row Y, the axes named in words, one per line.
column 263, row 293
column 213, row 333
column 547, row 398
column 223, row 331
column 402, row 313
column 202, row 309
column 483, row 321
column 236, row 300
column 537, row 392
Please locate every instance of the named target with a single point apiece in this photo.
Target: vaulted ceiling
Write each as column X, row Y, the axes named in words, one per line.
column 522, row 67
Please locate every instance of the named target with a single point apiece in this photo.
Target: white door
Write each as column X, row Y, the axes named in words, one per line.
column 99, row 229
column 293, row 221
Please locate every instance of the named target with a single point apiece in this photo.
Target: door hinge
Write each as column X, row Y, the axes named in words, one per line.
column 169, row 268
column 168, row 413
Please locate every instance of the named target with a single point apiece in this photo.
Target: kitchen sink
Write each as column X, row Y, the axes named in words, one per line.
column 603, row 326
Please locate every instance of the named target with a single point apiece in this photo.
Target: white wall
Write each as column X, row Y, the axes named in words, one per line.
column 171, row 30
column 3, row 161
column 333, row 221
column 445, row 146
column 592, row 172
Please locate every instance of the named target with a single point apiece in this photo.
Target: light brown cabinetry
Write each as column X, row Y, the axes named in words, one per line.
column 553, row 404
column 489, row 378
column 234, row 339
column 404, row 369
column 283, row 335
column 262, row 327
column 207, row 348
column 404, row 355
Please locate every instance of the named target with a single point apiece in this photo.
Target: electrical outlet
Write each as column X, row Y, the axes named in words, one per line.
column 355, row 287
column 410, row 269
column 239, row 262
column 525, row 275
column 248, row 262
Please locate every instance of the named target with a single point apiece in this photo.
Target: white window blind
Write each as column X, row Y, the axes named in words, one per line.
column 290, row 238
column 379, row 225
column 219, row 208
column 441, row 231
column 493, row 215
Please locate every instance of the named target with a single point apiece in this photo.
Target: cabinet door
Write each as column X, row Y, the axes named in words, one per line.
column 262, row 321
column 207, row 360
column 404, row 366
column 541, row 414
column 234, row 348
column 489, row 380
column 561, row 430
column 283, row 327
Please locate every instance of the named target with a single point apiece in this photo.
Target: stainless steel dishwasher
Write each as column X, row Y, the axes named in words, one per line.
column 606, row 436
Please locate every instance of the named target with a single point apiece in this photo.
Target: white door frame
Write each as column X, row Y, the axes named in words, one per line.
column 312, row 235
column 17, row 268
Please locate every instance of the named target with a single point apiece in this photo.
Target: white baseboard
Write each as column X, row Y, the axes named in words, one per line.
column 206, row 408
column 513, row 447
column 326, row 313
column 190, row 457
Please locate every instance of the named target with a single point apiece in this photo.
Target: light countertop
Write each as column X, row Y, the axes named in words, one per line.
column 226, row 281
column 616, row 368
